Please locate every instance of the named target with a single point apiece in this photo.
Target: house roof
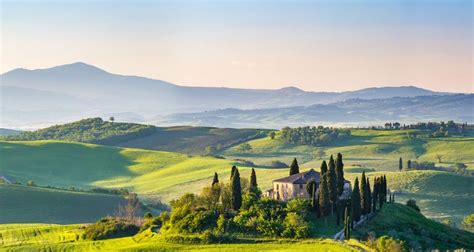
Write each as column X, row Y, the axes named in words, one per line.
column 303, row 178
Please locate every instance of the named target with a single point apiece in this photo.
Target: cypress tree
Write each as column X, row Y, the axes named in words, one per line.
column 400, row 164
column 363, row 194
column 253, row 180
column 409, row 164
column 346, row 223
column 332, row 186
column 236, row 197
column 375, row 195
column 339, row 174
column 356, row 207
column 215, row 180
column 324, row 201
column 369, row 197
column 311, row 189
column 381, row 192
column 294, row 167
column 324, row 168
column 232, row 171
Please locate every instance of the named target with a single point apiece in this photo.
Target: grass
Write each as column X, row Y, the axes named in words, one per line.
column 68, row 238
column 405, row 223
column 24, row 204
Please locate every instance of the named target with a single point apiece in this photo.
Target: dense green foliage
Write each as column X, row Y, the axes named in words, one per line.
column 339, row 174
column 418, row 232
column 294, row 167
column 108, row 228
column 92, row 130
column 315, row 136
column 356, row 201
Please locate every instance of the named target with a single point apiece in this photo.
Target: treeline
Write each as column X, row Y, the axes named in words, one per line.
column 315, row 136
column 91, row 130
column 436, row 129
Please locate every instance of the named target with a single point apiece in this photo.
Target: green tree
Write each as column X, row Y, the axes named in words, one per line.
column 294, row 167
column 245, row 147
column 324, row 168
column 112, row 119
column 409, row 164
column 324, row 201
column 375, row 195
column 368, row 206
column 356, row 208
column 363, row 194
column 272, row 135
column 215, row 180
column 210, row 150
column 232, row 171
column 439, row 157
column 236, row 198
column 400, row 164
column 332, row 186
column 321, row 153
column 340, row 174
column 253, row 180
column 347, row 224
column 468, row 222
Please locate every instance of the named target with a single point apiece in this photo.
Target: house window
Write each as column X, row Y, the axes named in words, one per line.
column 301, row 186
column 277, row 187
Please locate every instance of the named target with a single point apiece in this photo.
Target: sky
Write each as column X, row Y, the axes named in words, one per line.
column 313, row 45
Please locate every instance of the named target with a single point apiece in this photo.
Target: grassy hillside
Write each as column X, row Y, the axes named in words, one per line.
column 377, row 149
column 68, row 238
column 405, row 223
column 23, row 204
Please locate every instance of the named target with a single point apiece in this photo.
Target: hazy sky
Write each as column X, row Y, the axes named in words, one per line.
column 314, row 45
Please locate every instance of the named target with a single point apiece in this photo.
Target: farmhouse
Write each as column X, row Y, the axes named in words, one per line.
column 294, row 186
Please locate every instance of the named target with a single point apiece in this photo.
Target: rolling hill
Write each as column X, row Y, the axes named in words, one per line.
column 78, row 90
column 27, row 204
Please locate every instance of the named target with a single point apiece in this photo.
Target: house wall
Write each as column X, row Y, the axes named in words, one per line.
column 288, row 191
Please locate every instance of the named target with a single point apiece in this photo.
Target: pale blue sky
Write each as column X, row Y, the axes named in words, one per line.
column 315, row 45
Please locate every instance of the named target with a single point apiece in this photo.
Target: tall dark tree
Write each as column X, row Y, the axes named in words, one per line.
column 236, row 193
column 294, row 167
column 409, row 164
column 347, row 224
column 363, row 194
column 356, row 207
column 232, row 171
column 339, row 174
column 215, row 180
column 324, row 168
column 369, row 196
column 332, row 183
column 375, row 195
column 311, row 188
column 253, row 180
column 324, row 201
column 400, row 164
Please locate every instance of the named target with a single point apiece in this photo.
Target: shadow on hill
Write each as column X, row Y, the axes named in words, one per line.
column 60, row 163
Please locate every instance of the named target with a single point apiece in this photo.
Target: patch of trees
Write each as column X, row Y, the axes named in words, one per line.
column 314, row 136
column 108, row 228
column 91, row 130
column 436, row 129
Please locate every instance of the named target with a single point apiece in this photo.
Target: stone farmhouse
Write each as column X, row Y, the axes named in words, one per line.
column 294, row 186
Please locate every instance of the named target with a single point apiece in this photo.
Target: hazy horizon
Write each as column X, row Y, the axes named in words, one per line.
column 321, row 46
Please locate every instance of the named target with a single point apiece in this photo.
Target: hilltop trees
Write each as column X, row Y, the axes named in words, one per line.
column 332, row 183
column 236, row 192
column 294, row 167
column 356, row 201
column 315, row 136
column 339, row 174
column 363, row 195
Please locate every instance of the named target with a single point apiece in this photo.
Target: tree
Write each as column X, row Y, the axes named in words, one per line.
column 409, row 164
column 324, row 201
column 347, row 224
column 245, row 147
column 321, row 153
column 468, row 222
column 210, row 150
column 400, row 164
column 439, row 157
column 294, row 167
column 339, row 174
column 236, row 198
column 356, row 208
column 253, row 180
column 332, row 186
column 363, row 194
column 375, row 195
column 232, row 171
column 272, row 135
column 369, row 197
column 324, row 168
column 111, row 119
column 215, row 180
column 311, row 188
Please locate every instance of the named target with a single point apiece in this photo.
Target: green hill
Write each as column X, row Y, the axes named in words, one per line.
column 419, row 232
column 24, row 204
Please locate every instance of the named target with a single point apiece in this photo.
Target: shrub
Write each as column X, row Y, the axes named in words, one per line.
column 295, row 226
column 412, row 203
column 108, row 228
column 278, row 164
column 386, row 243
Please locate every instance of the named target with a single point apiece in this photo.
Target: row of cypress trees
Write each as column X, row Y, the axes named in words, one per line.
column 236, row 187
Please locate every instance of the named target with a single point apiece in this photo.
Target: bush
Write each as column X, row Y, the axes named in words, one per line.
column 278, row 164
column 412, row 203
column 108, row 228
column 386, row 243
column 295, row 226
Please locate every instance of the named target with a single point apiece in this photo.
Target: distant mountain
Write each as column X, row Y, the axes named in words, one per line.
column 353, row 112
column 78, row 90
column 8, row 132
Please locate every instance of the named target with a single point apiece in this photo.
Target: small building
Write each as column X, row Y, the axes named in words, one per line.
column 294, row 186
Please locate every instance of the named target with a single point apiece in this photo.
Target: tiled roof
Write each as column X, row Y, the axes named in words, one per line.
column 301, row 178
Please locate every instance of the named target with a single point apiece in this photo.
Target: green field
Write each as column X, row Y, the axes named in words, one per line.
column 28, row 237
column 25, row 204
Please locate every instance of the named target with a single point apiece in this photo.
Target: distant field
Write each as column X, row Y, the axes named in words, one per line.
column 67, row 238
column 24, row 204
